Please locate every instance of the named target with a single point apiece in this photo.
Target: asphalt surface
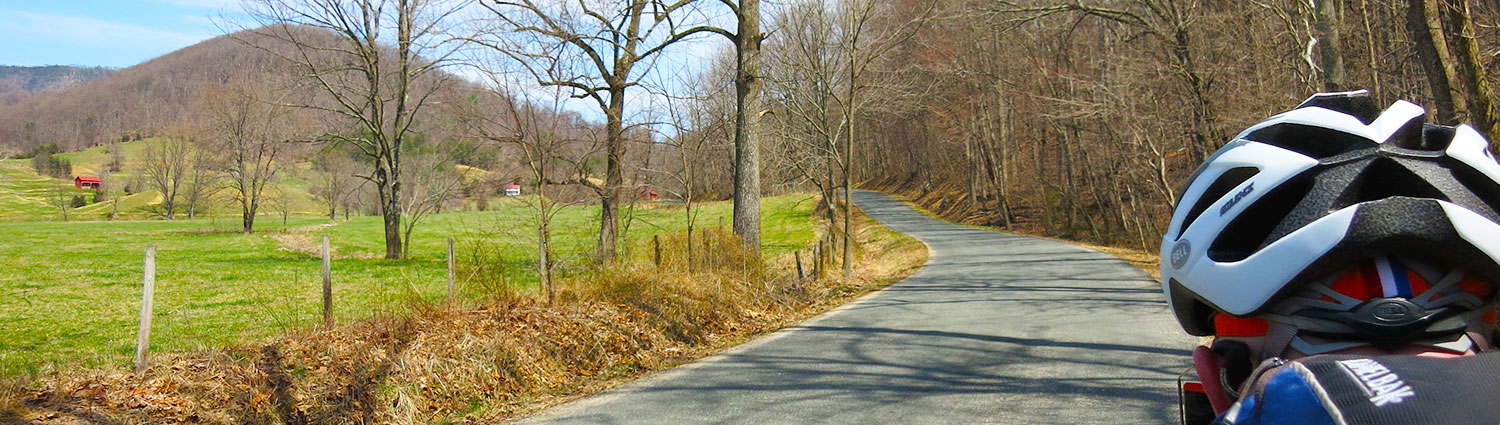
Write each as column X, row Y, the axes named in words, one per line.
column 996, row 328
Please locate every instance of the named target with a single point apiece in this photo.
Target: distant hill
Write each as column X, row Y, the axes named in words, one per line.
column 140, row 100
column 145, row 99
column 18, row 83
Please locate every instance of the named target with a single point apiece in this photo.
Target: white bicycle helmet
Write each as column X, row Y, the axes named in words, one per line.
column 1321, row 187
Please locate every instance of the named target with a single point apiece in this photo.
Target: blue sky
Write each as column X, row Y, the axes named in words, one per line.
column 114, row 34
column 121, row 33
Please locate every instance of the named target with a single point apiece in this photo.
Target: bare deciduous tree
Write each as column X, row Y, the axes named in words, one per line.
column 244, row 126
column 1483, row 110
column 165, row 163
column 379, row 67
column 598, row 51
column 202, row 176
column 1424, row 22
column 431, row 181
column 335, row 182
column 59, row 199
column 547, row 147
column 695, row 120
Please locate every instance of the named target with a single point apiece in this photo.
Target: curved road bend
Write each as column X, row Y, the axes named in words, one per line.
column 996, row 328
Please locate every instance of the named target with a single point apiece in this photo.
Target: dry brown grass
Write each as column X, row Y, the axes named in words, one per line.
column 1147, row 261
column 511, row 356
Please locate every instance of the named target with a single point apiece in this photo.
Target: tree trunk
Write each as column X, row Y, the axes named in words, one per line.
column 248, row 216
column 848, row 175
column 747, row 121
column 609, row 202
column 1482, row 109
column 1204, row 130
column 544, row 256
column 392, row 219
column 971, row 159
column 1422, row 21
column 390, row 211
column 1326, row 16
column 1376, row 91
column 999, row 167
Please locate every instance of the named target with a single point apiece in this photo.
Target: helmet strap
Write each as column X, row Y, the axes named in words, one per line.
column 1278, row 335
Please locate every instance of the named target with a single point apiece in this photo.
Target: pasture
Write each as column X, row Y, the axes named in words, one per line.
column 69, row 293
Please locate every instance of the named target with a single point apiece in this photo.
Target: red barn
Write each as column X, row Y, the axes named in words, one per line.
column 512, row 190
column 86, row 182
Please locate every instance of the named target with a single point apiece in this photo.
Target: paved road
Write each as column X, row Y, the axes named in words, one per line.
column 995, row 328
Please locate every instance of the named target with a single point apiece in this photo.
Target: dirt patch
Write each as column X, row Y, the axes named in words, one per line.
column 300, row 240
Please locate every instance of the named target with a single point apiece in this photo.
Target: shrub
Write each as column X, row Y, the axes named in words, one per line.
column 78, row 201
column 47, row 149
column 48, row 165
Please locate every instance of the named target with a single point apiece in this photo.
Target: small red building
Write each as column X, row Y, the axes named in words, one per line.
column 512, row 190
column 86, row 182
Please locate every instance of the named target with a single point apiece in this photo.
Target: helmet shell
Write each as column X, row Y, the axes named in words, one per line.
column 1314, row 189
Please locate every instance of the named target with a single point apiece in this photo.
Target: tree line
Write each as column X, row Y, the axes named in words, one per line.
column 1082, row 118
column 1071, row 118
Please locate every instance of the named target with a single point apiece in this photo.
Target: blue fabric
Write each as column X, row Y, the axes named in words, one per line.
column 1287, row 399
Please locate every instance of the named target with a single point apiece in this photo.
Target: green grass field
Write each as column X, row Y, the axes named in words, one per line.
column 25, row 195
column 70, row 294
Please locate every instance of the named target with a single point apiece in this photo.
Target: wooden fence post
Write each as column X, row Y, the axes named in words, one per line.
column 148, row 286
column 450, row 269
column 798, row 254
column 656, row 242
column 327, row 284
column 817, row 260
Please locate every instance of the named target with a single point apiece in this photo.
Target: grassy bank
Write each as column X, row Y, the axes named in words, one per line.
column 70, row 295
column 482, row 362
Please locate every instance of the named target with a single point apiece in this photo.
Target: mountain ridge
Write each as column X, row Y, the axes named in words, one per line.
column 18, row 83
column 152, row 97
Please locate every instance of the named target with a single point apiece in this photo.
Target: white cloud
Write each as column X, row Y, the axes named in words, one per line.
column 91, row 31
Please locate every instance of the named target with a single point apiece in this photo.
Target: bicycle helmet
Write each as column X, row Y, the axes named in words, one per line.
column 1322, row 188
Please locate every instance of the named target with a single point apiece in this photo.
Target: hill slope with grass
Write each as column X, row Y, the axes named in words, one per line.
column 28, row 196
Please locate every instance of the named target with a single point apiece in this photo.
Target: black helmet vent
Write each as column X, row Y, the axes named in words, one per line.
column 1384, row 177
column 1195, row 316
column 1486, row 193
column 1311, row 141
column 1216, row 190
column 1357, row 104
column 1253, row 228
column 1436, row 137
column 1413, row 135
